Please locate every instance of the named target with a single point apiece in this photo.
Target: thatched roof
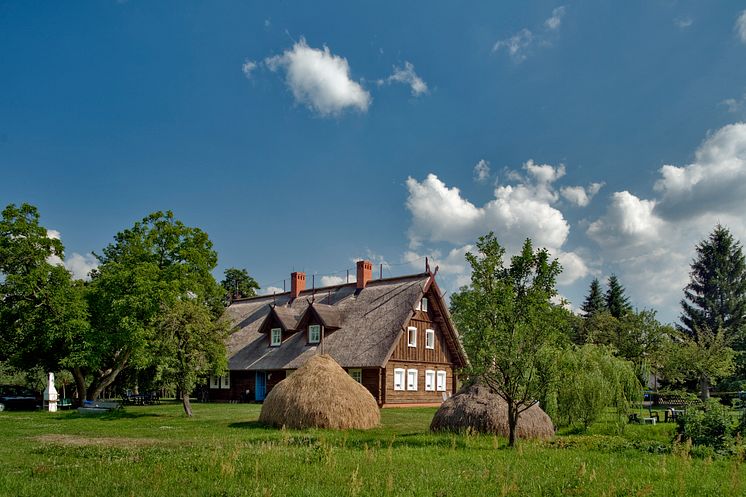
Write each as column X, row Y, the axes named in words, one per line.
column 363, row 325
column 320, row 394
column 477, row 408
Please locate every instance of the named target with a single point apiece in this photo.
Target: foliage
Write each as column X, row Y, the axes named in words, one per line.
column 192, row 344
column 238, row 283
column 592, row 380
column 617, row 303
column 43, row 314
column 505, row 318
column 712, row 425
column 594, row 302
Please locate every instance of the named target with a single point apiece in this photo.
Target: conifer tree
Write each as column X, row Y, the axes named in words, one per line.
column 617, row 303
column 594, row 301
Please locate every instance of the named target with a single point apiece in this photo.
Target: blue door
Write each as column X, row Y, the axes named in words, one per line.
column 261, row 385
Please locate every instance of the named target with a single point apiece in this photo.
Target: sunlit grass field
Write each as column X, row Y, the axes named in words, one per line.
column 223, row 451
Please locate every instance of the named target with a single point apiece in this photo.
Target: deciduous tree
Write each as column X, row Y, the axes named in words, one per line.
column 238, row 283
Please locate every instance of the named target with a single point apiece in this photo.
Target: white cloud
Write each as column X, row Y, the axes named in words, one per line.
column 517, row 45
column 555, row 20
column 580, row 196
column 407, row 76
column 338, row 280
column 683, row 22
column 482, row 171
column 270, row 290
column 320, row 80
column 78, row 265
column 735, row 105
column 248, row 67
column 741, row 26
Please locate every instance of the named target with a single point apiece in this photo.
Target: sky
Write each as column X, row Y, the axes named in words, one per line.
column 306, row 136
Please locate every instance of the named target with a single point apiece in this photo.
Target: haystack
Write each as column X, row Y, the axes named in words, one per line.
column 476, row 408
column 320, row 394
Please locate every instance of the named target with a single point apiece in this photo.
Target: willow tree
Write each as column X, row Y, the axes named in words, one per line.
column 507, row 322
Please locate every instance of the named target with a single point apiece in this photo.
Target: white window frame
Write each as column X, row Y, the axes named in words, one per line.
column 272, row 340
column 418, row 307
column 423, row 304
column 442, row 378
column 214, row 382
column 399, row 374
column 225, row 382
column 429, row 380
column 412, row 385
column 429, row 339
column 356, row 374
column 320, row 330
column 410, row 335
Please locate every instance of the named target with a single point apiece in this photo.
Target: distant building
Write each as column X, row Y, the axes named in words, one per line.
column 393, row 335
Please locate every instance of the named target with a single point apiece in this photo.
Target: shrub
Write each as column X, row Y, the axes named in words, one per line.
column 711, row 425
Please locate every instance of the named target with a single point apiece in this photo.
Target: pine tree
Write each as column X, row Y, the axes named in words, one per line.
column 715, row 298
column 617, row 303
column 594, row 302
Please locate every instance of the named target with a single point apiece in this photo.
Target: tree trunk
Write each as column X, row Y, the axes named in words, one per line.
column 80, row 385
column 704, row 388
column 186, row 403
column 109, row 376
column 512, row 423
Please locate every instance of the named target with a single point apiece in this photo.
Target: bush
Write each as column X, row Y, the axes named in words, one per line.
column 711, row 425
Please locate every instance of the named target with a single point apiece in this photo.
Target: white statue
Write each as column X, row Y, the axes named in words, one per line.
column 50, row 394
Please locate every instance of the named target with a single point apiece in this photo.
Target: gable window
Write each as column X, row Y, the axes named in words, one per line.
column 429, row 339
column 314, row 333
column 412, row 336
column 412, row 379
column 441, row 381
column 423, row 305
column 429, row 380
column 276, row 338
column 398, row 379
column 357, row 374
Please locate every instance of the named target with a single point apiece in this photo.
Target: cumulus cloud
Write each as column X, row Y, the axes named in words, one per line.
column 79, row 265
column 741, row 26
column 406, row 75
column 521, row 44
column 651, row 241
column 248, row 67
column 270, row 290
column 735, row 105
column 320, row 79
column 482, row 171
column 555, row 20
column 332, row 280
column 579, row 195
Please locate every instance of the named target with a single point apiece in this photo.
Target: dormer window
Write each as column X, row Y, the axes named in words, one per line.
column 423, row 305
column 412, row 336
column 314, row 333
column 276, row 337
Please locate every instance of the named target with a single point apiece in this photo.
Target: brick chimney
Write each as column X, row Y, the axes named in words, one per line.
column 364, row 273
column 297, row 284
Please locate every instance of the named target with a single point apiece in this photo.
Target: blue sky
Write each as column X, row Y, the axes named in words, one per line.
column 304, row 136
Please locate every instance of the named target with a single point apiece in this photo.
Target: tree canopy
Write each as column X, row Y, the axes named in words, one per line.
column 594, row 302
column 505, row 318
column 617, row 303
column 238, row 284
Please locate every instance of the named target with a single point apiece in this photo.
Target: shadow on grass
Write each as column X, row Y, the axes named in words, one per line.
column 109, row 416
column 252, row 425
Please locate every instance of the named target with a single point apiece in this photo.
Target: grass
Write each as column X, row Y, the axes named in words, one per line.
column 223, row 451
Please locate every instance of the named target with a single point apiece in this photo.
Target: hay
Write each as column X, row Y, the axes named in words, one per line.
column 476, row 408
column 320, row 394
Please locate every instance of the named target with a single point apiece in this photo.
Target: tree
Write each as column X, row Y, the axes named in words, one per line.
column 192, row 344
column 505, row 317
column 43, row 314
column 594, row 301
column 238, row 283
column 146, row 269
column 617, row 302
column 715, row 297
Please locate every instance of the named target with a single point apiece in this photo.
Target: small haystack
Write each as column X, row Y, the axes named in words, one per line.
column 476, row 408
column 320, row 394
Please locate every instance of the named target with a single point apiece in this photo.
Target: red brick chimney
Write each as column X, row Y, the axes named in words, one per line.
column 364, row 273
column 297, row 284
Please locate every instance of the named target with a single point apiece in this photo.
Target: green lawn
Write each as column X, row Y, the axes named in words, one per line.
column 223, row 451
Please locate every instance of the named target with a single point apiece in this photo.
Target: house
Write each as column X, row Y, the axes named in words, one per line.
column 393, row 335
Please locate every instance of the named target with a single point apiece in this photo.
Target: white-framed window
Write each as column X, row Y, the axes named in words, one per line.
column 418, row 305
column 314, row 333
column 412, row 379
column 220, row 382
column 423, row 304
column 412, row 336
column 214, row 382
column 398, row 379
column 429, row 339
column 441, row 381
column 429, row 380
column 357, row 374
column 276, row 338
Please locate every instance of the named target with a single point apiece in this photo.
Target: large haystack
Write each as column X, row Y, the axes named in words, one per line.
column 477, row 409
column 320, row 394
